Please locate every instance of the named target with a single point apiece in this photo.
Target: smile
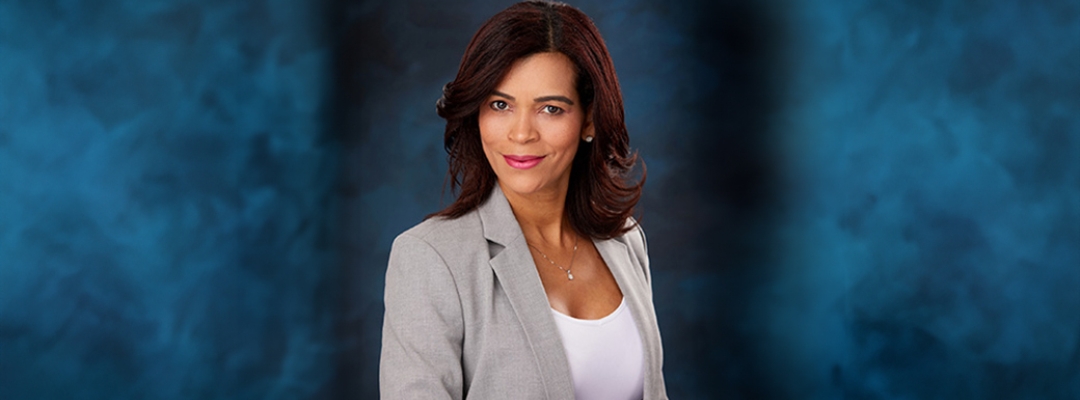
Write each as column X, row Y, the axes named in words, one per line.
column 523, row 162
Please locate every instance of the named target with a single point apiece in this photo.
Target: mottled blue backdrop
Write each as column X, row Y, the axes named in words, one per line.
column 845, row 199
column 166, row 189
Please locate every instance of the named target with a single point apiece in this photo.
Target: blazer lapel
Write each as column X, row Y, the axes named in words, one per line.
column 515, row 270
column 632, row 283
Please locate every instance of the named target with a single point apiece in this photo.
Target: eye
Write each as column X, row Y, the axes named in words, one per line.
column 499, row 105
column 553, row 110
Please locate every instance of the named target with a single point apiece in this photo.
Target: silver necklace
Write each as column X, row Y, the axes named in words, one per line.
column 569, row 275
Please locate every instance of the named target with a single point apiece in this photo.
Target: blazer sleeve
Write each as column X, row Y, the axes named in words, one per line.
column 422, row 327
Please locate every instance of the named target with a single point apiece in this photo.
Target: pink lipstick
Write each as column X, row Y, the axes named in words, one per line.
column 523, row 162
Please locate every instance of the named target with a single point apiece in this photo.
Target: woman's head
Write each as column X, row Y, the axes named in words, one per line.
column 531, row 126
column 523, row 40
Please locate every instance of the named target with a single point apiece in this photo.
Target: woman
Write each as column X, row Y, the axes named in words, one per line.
column 535, row 282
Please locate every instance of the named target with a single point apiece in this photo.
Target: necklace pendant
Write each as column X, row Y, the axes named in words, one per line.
column 569, row 275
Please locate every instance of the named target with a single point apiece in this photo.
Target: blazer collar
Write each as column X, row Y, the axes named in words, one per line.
column 634, row 287
column 516, row 271
column 500, row 225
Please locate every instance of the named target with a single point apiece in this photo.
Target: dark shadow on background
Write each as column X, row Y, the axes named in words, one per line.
column 356, row 372
column 391, row 171
column 727, row 193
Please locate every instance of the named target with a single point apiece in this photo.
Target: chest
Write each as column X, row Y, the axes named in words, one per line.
column 592, row 293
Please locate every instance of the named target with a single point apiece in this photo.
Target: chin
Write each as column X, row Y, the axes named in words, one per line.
column 522, row 185
column 517, row 186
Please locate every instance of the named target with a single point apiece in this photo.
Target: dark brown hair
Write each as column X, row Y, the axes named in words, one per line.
column 601, row 195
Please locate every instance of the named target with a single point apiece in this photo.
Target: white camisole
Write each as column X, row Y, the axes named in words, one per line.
column 606, row 357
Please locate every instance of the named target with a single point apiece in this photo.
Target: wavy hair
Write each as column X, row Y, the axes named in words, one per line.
column 602, row 195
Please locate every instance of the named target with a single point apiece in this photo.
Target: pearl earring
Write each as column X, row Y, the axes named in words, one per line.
column 588, row 139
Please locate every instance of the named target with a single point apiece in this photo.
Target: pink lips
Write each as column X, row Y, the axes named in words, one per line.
column 523, row 162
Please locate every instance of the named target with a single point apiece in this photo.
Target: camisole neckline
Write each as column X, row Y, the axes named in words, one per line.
column 597, row 322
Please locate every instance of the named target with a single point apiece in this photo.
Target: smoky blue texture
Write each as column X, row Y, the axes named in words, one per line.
column 164, row 184
column 845, row 199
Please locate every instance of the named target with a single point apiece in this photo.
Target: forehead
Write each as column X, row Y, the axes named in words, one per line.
column 540, row 74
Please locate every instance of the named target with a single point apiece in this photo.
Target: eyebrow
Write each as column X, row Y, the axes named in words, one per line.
column 563, row 99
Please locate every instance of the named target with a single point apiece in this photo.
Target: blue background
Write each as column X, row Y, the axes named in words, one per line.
column 845, row 199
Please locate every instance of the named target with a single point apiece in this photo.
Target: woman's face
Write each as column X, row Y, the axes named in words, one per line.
column 530, row 126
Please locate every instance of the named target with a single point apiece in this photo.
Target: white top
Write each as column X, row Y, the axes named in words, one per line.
column 606, row 357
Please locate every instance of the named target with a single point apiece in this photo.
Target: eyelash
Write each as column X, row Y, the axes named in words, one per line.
column 499, row 105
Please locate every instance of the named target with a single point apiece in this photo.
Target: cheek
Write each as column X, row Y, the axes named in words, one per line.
column 564, row 135
column 494, row 126
column 488, row 128
column 491, row 138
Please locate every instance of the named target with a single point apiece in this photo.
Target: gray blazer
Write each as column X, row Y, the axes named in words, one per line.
column 467, row 317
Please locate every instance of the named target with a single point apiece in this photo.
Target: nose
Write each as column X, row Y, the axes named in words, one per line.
column 523, row 130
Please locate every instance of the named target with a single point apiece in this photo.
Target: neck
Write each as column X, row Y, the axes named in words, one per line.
column 542, row 217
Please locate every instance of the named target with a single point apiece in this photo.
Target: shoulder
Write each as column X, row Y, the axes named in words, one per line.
column 435, row 256
column 634, row 240
column 450, row 241
column 635, row 237
column 438, row 231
